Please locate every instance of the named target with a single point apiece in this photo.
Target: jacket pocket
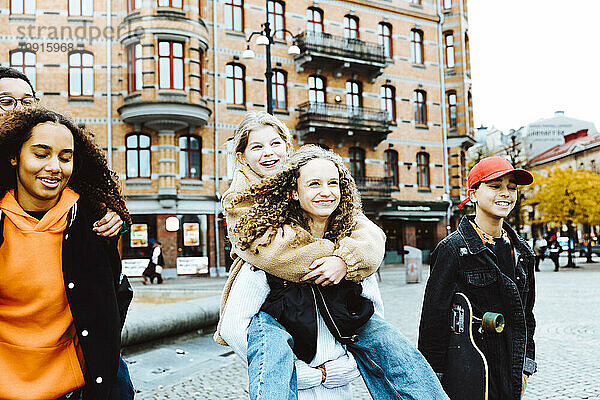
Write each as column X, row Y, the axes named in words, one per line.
column 480, row 278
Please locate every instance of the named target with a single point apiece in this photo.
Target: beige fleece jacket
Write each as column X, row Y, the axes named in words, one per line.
column 292, row 251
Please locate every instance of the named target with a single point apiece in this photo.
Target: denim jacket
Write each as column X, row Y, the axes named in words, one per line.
column 463, row 263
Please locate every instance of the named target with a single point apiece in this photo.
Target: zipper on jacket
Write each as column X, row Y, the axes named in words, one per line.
column 351, row 338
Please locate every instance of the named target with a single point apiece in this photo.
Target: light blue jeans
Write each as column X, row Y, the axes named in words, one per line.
column 390, row 365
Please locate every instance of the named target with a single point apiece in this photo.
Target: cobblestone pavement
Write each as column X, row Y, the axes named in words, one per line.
column 567, row 341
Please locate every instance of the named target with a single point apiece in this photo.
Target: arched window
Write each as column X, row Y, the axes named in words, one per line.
column 22, row 7
column 170, row 3
column 276, row 12
column 452, row 115
column 138, row 155
column 420, row 107
column 81, row 7
column 134, row 67
column 416, row 46
column 235, row 88
column 316, row 89
column 353, row 94
column 314, row 20
column 385, row 38
column 279, row 84
column 357, row 163
column 449, row 45
column 391, row 166
column 170, row 65
column 387, row 96
column 351, row 27
column 24, row 61
column 423, row 170
column 190, row 157
column 234, row 15
column 81, row 73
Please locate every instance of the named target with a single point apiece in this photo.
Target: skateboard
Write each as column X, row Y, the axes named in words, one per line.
column 466, row 373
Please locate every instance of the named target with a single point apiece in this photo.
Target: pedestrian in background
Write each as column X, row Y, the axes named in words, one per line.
column 554, row 248
column 494, row 267
column 539, row 248
column 155, row 264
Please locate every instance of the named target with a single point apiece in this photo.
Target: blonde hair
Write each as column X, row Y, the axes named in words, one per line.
column 274, row 206
column 256, row 120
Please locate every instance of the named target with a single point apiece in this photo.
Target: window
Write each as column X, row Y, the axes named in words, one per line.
column 81, row 73
column 416, row 46
column 170, row 65
column 234, row 15
column 134, row 67
column 170, row 3
column 24, row 61
column 420, row 104
column 316, row 89
column 452, row 109
column 385, row 38
column 418, row 2
column 391, row 166
column 190, row 157
column 81, row 7
column 423, row 170
column 234, row 84
column 279, row 82
column 353, row 94
column 387, row 94
column 351, row 27
column 357, row 163
column 133, row 5
column 22, row 7
column 276, row 12
column 447, row 4
column 449, row 45
column 138, row 155
column 314, row 18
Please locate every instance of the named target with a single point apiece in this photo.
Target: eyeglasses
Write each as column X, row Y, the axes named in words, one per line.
column 10, row 103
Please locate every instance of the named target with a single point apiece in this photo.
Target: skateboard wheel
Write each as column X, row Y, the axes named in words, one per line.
column 492, row 322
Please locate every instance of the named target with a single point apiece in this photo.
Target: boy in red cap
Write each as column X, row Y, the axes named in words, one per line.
column 487, row 261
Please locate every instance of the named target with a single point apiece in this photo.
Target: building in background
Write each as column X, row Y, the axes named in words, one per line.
column 162, row 85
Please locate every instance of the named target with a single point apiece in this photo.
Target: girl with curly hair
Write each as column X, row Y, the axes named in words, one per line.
column 61, row 311
column 334, row 330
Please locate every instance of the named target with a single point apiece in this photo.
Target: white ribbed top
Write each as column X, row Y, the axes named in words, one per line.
column 249, row 292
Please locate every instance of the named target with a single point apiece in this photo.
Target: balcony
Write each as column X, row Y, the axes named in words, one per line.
column 375, row 187
column 339, row 54
column 341, row 121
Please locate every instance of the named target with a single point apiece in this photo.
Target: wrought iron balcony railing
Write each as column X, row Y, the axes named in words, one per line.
column 327, row 43
column 372, row 186
column 342, row 113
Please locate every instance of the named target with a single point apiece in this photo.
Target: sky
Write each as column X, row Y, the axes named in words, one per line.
column 530, row 58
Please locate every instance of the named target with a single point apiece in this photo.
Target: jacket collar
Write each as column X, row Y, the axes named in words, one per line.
column 475, row 244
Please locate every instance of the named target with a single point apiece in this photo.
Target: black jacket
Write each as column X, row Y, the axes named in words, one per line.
column 463, row 263
column 294, row 305
column 91, row 268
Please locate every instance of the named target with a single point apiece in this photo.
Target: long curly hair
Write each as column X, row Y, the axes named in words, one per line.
column 91, row 177
column 273, row 205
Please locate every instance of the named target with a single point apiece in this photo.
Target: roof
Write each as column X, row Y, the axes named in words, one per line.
column 574, row 142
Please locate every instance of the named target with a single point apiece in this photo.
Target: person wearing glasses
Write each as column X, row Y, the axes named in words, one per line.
column 17, row 91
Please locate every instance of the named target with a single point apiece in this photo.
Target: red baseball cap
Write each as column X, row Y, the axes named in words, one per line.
column 491, row 168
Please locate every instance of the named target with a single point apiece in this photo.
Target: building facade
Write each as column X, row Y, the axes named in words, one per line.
column 162, row 85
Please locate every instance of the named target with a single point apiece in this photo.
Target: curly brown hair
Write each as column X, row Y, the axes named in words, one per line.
column 274, row 206
column 91, row 178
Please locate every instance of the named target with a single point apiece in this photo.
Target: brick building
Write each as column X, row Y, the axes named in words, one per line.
column 386, row 84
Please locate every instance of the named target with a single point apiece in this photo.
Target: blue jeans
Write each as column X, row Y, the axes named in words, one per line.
column 390, row 365
column 122, row 387
column 271, row 370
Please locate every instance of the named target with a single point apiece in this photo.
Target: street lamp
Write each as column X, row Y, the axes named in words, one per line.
column 265, row 38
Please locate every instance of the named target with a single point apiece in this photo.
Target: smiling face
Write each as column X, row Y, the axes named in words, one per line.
column 44, row 166
column 495, row 198
column 318, row 189
column 266, row 151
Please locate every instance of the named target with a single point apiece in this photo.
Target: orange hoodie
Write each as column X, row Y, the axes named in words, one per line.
column 38, row 356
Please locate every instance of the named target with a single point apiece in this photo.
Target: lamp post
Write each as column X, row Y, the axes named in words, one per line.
column 265, row 38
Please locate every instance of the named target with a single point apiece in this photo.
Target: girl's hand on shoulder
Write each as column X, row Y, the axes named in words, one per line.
column 326, row 271
column 110, row 225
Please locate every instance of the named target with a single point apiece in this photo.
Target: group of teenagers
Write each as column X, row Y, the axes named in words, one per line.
column 301, row 304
